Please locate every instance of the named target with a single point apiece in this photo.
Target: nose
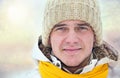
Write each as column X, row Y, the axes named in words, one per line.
column 72, row 37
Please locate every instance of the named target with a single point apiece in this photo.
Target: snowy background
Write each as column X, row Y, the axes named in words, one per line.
column 20, row 26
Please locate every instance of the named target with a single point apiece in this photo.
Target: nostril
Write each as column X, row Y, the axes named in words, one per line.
column 72, row 39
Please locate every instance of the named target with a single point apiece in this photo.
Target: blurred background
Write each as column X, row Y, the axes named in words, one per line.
column 20, row 26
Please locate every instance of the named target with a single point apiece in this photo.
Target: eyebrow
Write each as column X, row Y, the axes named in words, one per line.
column 59, row 25
column 83, row 24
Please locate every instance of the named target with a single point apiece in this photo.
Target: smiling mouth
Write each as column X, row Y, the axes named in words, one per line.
column 72, row 49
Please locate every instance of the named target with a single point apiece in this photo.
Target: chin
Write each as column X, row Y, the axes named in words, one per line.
column 70, row 64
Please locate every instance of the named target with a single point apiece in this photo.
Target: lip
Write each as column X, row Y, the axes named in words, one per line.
column 71, row 51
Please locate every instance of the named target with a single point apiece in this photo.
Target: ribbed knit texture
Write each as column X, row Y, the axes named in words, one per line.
column 60, row 10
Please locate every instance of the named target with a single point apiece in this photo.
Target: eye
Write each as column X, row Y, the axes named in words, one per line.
column 82, row 28
column 60, row 29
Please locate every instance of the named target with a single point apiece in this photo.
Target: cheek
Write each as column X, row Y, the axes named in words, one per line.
column 89, row 40
column 55, row 42
column 56, row 45
column 90, row 37
column 91, row 43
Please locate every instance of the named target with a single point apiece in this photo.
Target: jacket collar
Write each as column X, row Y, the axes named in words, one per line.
column 102, row 54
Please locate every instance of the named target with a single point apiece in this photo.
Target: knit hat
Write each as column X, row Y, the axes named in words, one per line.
column 60, row 10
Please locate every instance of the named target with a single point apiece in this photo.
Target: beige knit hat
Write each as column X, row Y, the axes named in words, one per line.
column 60, row 10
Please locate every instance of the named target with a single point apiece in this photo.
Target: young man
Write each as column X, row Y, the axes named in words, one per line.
column 71, row 44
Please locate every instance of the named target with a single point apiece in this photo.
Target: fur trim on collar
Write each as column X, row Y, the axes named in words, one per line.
column 99, row 52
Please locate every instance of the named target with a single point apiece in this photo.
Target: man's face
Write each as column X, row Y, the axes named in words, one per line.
column 72, row 41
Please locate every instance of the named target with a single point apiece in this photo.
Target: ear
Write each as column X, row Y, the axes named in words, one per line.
column 49, row 41
column 94, row 39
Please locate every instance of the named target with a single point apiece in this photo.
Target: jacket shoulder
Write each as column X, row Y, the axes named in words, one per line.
column 33, row 74
column 114, row 69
